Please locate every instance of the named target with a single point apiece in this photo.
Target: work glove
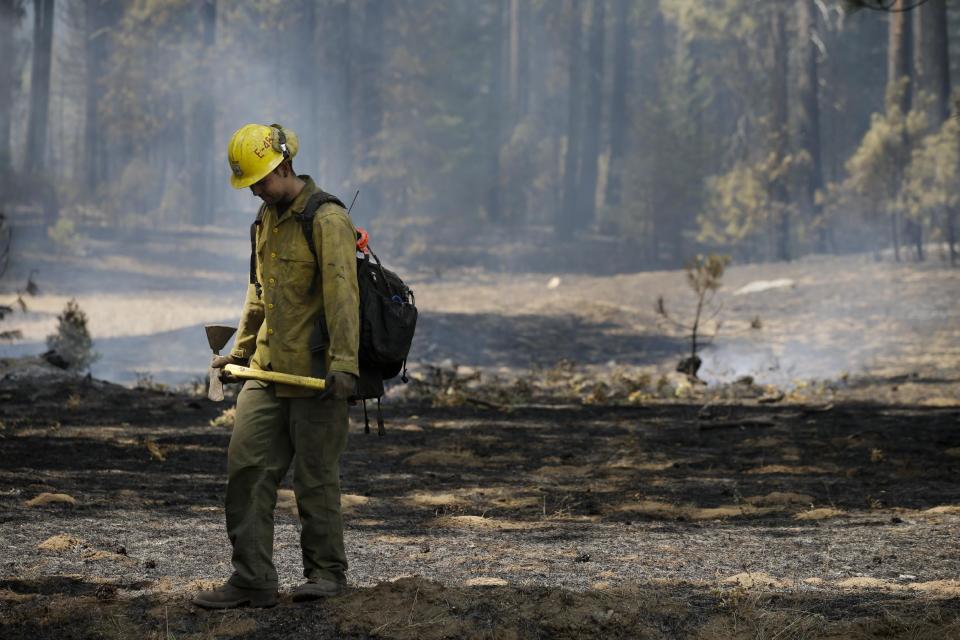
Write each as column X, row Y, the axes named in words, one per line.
column 221, row 361
column 340, row 385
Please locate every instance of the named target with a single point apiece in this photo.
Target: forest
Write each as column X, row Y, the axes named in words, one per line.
column 686, row 361
column 767, row 131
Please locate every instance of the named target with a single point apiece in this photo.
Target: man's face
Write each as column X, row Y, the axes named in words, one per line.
column 270, row 188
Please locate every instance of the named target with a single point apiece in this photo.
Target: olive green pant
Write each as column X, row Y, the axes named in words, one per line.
column 269, row 433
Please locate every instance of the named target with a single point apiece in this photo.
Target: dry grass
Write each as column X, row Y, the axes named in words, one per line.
column 60, row 542
column 45, row 498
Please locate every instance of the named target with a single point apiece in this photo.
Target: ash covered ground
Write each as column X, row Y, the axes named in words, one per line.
column 545, row 475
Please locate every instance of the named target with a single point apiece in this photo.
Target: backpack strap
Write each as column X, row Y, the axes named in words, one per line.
column 380, row 429
column 366, row 418
column 256, row 224
column 317, row 200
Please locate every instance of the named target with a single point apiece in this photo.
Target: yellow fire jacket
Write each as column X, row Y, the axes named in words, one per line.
column 275, row 329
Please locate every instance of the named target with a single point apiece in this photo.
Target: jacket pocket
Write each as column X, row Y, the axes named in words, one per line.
column 297, row 279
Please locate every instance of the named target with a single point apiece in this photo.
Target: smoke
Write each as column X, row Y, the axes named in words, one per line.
column 844, row 316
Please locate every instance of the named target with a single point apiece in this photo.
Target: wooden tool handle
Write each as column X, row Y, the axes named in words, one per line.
column 247, row 373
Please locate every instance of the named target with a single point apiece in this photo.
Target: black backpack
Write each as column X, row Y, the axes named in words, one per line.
column 388, row 315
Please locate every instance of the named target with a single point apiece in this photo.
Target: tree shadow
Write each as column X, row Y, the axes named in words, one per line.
column 775, row 462
column 485, row 340
column 489, row 339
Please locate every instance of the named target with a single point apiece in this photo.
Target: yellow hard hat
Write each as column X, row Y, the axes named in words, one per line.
column 256, row 149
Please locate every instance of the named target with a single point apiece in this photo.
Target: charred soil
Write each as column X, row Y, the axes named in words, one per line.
column 668, row 519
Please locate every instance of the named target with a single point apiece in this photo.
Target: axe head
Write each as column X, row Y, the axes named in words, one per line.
column 218, row 335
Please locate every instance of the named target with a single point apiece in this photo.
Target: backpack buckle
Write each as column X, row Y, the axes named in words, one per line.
column 363, row 241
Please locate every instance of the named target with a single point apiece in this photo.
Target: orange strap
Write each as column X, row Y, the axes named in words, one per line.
column 363, row 239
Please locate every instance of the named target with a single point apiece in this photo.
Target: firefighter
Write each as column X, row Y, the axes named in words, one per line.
column 290, row 294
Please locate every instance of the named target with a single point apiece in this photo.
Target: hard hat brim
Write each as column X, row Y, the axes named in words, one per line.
column 248, row 180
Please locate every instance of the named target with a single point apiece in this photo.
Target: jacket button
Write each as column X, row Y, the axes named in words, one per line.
column 270, row 331
column 273, row 254
column 269, row 305
column 275, row 230
column 273, row 281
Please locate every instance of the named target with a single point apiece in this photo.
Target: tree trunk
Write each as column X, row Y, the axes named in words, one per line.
column 204, row 120
column 808, row 118
column 93, row 50
column 899, row 58
column 619, row 117
column 951, row 223
column 370, row 104
column 310, row 59
column 519, row 58
column 779, row 128
column 40, row 85
column 349, row 89
column 10, row 15
column 593, row 86
column 571, row 168
column 495, row 112
column 900, row 91
column 662, row 226
column 101, row 17
column 895, row 234
column 556, row 120
column 931, row 59
column 918, row 240
column 334, row 134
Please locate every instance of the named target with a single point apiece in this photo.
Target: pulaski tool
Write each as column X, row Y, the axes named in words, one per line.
column 217, row 336
column 246, row 373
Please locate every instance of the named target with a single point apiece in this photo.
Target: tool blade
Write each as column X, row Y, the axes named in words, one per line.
column 218, row 335
column 215, row 390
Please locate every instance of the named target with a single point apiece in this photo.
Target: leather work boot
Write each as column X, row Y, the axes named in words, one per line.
column 231, row 597
column 317, row 588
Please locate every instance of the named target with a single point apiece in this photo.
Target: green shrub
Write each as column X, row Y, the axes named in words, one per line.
column 64, row 235
column 72, row 340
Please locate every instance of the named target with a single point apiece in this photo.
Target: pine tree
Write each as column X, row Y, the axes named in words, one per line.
column 72, row 341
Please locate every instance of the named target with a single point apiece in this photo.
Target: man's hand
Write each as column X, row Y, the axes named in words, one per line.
column 340, row 385
column 221, row 361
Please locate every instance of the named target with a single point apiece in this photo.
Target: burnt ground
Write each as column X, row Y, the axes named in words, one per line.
column 545, row 476
column 668, row 519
